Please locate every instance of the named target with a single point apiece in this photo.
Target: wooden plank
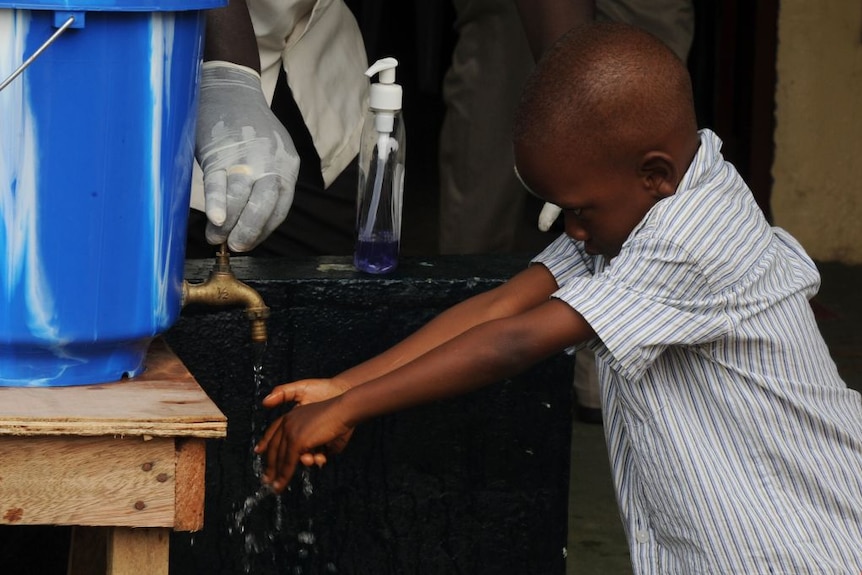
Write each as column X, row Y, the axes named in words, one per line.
column 165, row 401
column 138, row 551
column 190, row 484
column 87, row 481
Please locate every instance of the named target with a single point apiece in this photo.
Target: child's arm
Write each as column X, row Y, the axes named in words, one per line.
column 433, row 364
column 524, row 291
column 486, row 353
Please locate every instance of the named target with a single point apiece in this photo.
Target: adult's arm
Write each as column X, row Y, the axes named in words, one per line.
column 230, row 36
column 545, row 21
column 249, row 161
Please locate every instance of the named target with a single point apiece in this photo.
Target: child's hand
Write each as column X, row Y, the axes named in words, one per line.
column 302, row 432
column 305, row 391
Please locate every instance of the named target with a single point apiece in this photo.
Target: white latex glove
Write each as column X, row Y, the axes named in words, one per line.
column 248, row 159
column 548, row 216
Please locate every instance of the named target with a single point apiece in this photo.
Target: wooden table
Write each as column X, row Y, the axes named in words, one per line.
column 123, row 462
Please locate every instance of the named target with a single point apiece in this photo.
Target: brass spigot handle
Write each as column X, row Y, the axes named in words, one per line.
column 223, row 288
column 222, row 261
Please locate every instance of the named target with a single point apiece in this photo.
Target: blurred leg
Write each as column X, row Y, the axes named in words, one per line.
column 481, row 200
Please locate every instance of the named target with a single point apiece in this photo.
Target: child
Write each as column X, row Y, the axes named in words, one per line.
column 735, row 446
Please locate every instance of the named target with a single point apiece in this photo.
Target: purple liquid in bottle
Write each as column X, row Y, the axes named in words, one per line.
column 377, row 256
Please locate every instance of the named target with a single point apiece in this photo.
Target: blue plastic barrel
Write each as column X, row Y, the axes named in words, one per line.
column 96, row 153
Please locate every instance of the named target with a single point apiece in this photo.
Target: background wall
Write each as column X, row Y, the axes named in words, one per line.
column 817, row 172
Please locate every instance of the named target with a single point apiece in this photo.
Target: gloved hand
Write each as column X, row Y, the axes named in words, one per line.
column 248, row 159
column 548, row 215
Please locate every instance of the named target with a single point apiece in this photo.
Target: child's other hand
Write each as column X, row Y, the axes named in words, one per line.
column 301, row 434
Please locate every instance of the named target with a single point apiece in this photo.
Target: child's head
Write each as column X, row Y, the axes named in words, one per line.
column 605, row 129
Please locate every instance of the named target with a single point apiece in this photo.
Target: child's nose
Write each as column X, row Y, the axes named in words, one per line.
column 576, row 231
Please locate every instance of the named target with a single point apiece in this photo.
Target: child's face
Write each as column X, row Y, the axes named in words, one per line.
column 601, row 205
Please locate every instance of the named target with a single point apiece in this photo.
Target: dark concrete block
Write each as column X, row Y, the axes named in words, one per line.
column 477, row 484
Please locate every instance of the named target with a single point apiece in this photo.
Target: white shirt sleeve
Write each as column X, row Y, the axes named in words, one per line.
column 320, row 46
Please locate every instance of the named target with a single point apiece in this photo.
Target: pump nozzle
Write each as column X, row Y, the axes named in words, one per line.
column 385, row 95
column 386, row 68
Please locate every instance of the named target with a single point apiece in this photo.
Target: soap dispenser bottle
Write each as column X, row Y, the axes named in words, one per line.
column 381, row 174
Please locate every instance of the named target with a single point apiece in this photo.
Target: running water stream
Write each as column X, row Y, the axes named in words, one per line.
column 258, row 522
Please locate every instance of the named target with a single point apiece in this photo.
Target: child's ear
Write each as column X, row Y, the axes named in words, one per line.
column 659, row 174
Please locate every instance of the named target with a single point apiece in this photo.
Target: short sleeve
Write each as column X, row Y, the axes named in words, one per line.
column 649, row 297
column 566, row 259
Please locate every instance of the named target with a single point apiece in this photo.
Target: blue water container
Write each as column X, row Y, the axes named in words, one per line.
column 96, row 153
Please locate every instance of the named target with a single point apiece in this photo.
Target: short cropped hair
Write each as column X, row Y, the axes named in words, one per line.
column 605, row 89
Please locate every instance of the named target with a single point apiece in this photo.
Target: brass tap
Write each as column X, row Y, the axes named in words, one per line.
column 222, row 288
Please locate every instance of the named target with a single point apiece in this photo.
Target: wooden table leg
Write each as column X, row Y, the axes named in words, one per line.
column 137, row 550
column 119, row 551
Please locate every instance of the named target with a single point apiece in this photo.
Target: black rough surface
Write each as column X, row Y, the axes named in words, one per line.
column 473, row 485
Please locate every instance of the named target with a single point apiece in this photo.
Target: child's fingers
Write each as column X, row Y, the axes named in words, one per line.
column 310, row 459
column 281, row 394
column 285, row 459
column 297, row 391
column 267, row 436
column 272, row 447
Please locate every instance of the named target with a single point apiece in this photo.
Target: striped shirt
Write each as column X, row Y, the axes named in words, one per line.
column 735, row 446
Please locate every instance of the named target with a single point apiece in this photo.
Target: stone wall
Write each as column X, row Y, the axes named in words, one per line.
column 817, row 190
